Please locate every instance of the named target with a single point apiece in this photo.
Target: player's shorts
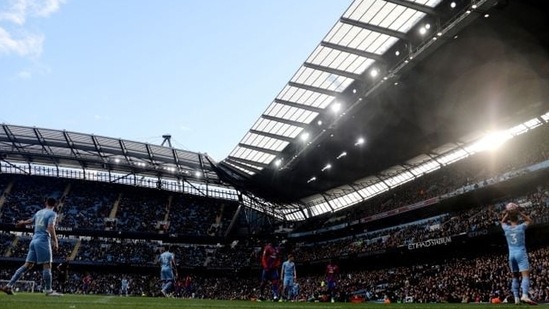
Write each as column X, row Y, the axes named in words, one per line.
column 39, row 252
column 518, row 261
column 166, row 274
column 271, row 274
column 331, row 284
column 288, row 282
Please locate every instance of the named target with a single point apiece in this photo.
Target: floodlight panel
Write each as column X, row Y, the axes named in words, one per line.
column 426, row 167
column 291, row 113
column 249, row 172
column 345, row 200
column 401, row 19
column 399, row 179
column 264, row 142
column 340, row 60
column 254, row 155
column 532, row 123
column 320, row 209
column 452, row 156
column 320, row 79
column 278, row 128
column 306, row 97
column 430, row 3
column 518, row 129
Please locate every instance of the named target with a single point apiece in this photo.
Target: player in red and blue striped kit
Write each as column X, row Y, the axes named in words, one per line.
column 332, row 271
column 270, row 262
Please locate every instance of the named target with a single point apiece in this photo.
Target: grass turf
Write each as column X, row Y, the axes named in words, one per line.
column 40, row 301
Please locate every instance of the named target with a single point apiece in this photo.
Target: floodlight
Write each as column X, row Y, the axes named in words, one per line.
column 319, row 122
column 397, row 53
column 427, row 26
column 336, row 107
column 311, row 179
column 453, row 4
column 422, row 30
column 374, row 72
column 278, row 162
column 327, row 167
column 197, row 174
column 486, row 15
column 359, row 141
column 305, row 136
column 341, row 155
column 491, row 141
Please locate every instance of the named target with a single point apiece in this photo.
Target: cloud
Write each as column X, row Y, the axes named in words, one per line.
column 14, row 14
column 27, row 44
column 17, row 11
column 24, row 74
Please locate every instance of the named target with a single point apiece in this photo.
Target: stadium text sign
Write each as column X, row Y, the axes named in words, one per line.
column 430, row 243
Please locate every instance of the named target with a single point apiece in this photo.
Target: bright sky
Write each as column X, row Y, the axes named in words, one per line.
column 201, row 70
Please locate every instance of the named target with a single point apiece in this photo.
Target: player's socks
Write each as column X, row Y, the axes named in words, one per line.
column 46, row 275
column 525, row 285
column 18, row 273
column 515, row 288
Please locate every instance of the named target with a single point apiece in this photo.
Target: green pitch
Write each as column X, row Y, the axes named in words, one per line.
column 40, row 301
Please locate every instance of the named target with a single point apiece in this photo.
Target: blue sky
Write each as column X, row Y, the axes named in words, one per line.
column 201, row 70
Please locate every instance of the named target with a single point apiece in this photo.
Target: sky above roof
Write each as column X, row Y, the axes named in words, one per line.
column 200, row 70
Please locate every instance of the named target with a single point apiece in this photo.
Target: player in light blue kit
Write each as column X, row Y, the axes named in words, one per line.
column 518, row 257
column 40, row 248
column 289, row 276
column 168, row 271
column 124, row 286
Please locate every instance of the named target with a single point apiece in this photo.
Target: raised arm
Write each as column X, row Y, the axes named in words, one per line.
column 504, row 217
column 527, row 220
column 21, row 223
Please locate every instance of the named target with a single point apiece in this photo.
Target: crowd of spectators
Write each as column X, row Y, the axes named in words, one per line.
column 99, row 206
column 190, row 215
column 84, row 208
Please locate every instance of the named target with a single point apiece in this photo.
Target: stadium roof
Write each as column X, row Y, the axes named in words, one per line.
column 91, row 152
column 396, row 89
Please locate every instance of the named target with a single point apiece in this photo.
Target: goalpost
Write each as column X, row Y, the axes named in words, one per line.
column 21, row 285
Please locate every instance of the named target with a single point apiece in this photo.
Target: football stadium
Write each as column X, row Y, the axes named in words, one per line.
column 404, row 164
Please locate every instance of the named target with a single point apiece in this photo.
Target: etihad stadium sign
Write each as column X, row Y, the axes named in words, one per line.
column 430, row 243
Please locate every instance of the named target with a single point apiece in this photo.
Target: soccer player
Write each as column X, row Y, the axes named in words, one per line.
column 168, row 271
column 40, row 248
column 63, row 274
column 518, row 257
column 87, row 283
column 289, row 276
column 332, row 270
column 269, row 264
column 124, row 286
